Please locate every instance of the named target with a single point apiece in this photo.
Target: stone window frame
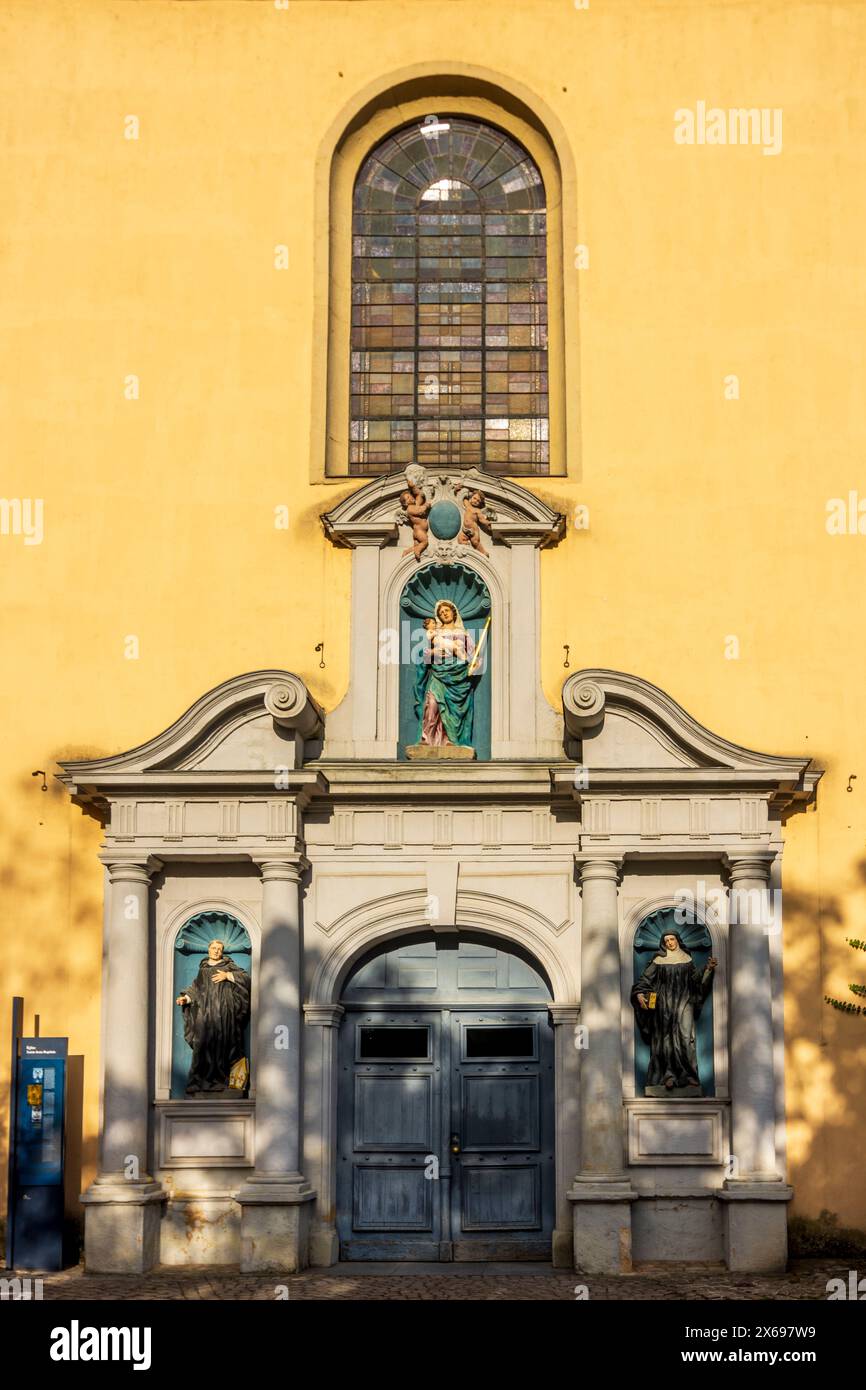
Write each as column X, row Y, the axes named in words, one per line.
column 465, row 291
column 425, row 89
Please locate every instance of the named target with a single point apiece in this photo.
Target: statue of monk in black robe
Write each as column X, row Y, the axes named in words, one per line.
column 667, row 1001
column 216, row 1010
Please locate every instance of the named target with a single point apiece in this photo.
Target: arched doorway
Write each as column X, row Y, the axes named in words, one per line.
column 445, row 1104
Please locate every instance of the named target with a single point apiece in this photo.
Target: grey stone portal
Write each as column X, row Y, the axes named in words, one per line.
column 312, row 834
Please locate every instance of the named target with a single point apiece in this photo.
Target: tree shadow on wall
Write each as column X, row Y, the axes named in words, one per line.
column 51, row 947
column 825, row 1051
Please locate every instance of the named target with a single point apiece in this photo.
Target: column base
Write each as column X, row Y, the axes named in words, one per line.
column 602, row 1225
column 756, row 1224
column 121, row 1225
column 324, row 1247
column 562, row 1248
column 276, row 1211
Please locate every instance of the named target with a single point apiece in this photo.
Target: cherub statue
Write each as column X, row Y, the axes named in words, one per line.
column 415, row 509
column 474, row 517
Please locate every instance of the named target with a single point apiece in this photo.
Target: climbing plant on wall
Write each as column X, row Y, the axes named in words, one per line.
column 845, row 1006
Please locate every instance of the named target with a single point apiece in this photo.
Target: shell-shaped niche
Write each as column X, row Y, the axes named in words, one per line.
column 457, row 583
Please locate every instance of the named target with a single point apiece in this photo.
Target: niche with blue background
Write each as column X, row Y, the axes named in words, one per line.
column 464, row 588
column 190, row 947
column 696, row 940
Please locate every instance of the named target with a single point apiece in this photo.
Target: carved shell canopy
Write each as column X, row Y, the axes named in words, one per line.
column 457, row 583
column 196, row 935
column 693, row 934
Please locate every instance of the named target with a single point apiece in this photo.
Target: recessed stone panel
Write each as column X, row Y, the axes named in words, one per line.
column 206, row 1134
column 676, row 1132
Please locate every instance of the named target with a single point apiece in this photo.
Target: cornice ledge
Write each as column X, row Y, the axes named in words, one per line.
column 162, row 759
column 589, row 695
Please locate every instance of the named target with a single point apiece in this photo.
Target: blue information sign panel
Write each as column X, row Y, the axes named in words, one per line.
column 37, row 1238
column 41, row 1098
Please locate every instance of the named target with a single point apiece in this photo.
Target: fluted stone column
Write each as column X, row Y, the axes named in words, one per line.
column 755, row 1197
column 275, row 1201
column 565, row 1019
column 122, row 1206
column 320, row 1089
column 602, row 1194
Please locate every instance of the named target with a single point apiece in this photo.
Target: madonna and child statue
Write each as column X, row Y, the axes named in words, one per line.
column 449, row 664
column 445, row 683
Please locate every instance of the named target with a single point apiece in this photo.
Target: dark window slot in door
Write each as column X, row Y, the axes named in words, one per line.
column 503, row 1043
column 399, row 1044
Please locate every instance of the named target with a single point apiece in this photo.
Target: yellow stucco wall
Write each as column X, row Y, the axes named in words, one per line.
column 155, row 257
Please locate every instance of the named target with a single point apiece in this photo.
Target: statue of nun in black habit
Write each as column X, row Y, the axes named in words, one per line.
column 216, row 1011
column 667, row 1001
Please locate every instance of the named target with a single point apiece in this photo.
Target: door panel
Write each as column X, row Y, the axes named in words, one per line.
column 499, row 1113
column 480, row 1082
column 394, row 1113
column 390, row 1122
column 503, row 1197
column 391, row 1198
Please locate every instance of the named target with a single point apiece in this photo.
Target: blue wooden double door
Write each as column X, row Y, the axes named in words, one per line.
column 446, row 1125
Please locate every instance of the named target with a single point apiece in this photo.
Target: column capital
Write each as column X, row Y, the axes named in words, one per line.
column 607, row 867
column 563, row 1013
column 753, row 867
column 122, row 868
column 323, row 1015
column 288, row 868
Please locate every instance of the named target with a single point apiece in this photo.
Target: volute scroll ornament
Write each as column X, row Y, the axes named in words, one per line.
column 289, row 703
column 583, row 702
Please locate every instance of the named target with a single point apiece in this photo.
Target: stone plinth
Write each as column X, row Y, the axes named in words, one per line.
column 756, row 1225
column 275, row 1227
column 121, row 1226
column 448, row 752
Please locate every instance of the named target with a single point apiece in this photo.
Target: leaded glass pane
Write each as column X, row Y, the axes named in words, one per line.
column 449, row 303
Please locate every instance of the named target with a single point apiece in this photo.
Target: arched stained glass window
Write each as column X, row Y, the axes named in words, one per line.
column 449, row 303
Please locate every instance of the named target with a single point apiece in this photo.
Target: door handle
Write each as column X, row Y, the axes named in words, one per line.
column 455, row 1143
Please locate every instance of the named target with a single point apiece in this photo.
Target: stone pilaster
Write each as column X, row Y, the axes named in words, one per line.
column 323, row 1025
column 122, row 1206
column 275, row 1201
column 565, row 1019
column 602, row 1194
column 756, row 1196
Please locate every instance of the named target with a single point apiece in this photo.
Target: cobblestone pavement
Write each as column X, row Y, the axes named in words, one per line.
column 806, row 1279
